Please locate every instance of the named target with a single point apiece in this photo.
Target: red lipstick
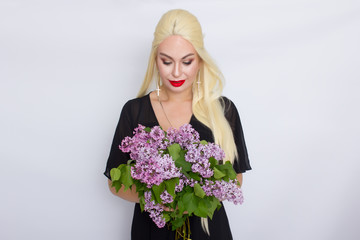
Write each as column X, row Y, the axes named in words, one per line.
column 177, row 83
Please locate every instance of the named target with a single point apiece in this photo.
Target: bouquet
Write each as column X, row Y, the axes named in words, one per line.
column 176, row 175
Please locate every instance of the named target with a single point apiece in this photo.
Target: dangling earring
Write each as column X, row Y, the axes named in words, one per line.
column 158, row 86
column 157, row 90
column 198, row 83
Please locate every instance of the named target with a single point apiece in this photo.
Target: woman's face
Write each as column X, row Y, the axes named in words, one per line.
column 178, row 64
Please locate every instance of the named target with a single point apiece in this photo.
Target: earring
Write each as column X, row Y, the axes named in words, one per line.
column 158, row 84
column 198, row 83
column 157, row 90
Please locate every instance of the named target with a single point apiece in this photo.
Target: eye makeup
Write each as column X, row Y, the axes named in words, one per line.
column 188, row 62
column 166, row 62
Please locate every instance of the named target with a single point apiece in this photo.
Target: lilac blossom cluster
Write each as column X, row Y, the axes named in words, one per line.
column 155, row 210
column 151, row 167
column 185, row 136
column 220, row 189
column 154, row 166
column 154, row 170
column 166, row 197
column 198, row 154
column 223, row 190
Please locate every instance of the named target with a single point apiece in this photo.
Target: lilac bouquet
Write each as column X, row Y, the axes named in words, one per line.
column 176, row 175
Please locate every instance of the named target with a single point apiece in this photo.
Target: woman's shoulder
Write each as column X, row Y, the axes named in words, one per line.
column 137, row 102
column 226, row 103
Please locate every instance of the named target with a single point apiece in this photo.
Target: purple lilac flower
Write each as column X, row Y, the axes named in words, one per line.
column 212, row 150
column 140, row 133
column 139, row 129
column 155, row 210
column 126, row 144
column 207, row 187
column 223, row 190
column 166, row 197
column 153, row 166
column 155, row 170
column 179, row 187
column 190, row 182
column 202, row 166
column 193, row 153
column 186, row 136
column 157, row 133
column 171, row 135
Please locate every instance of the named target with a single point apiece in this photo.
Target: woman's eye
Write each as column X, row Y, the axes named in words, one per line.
column 188, row 62
column 166, row 62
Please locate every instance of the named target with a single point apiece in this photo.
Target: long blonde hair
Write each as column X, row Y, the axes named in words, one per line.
column 206, row 103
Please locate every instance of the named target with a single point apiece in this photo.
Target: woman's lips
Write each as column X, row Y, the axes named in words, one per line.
column 177, row 83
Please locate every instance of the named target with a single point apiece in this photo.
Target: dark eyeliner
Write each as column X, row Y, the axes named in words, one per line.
column 166, row 62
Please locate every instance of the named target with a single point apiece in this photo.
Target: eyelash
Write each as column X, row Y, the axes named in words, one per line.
column 186, row 63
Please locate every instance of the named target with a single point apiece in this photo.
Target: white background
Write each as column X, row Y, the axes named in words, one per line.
column 292, row 69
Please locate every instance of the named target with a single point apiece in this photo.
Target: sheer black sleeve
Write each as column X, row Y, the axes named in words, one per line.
column 124, row 128
column 241, row 164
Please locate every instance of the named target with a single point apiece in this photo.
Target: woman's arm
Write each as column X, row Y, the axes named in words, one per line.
column 239, row 178
column 129, row 195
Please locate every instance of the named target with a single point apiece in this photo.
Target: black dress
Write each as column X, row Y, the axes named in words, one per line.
column 140, row 111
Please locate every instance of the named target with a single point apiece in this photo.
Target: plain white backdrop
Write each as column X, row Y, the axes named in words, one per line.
column 291, row 67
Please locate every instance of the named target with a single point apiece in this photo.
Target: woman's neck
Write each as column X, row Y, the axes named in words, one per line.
column 169, row 96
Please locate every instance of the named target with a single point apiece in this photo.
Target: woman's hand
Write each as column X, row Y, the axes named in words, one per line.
column 130, row 195
column 239, row 177
column 171, row 209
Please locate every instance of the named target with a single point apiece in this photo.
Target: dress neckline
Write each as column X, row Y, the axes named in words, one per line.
column 154, row 115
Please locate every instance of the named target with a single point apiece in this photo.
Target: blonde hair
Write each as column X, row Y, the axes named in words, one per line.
column 206, row 103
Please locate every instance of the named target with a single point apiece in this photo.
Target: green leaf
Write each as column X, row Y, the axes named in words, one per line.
column 203, row 142
column 142, row 203
column 188, row 189
column 115, row 174
column 202, row 209
column 170, row 186
column 140, row 187
column 177, row 222
column 130, row 161
column 213, row 204
column 172, row 205
column 147, row 129
column 126, row 178
column 190, row 202
column 199, row 191
column 228, row 169
column 157, row 190
column 185, row 173
column 195, row 176
column 181, row 206
column 117, row 185
column 180, row 162
column 166, row 216
column 213, row 162
column 218, row 174
column 174, row 151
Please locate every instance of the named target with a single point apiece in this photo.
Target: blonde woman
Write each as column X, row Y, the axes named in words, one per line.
column 189, row 87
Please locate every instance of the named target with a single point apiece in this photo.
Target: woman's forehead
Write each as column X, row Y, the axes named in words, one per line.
column 176, row 46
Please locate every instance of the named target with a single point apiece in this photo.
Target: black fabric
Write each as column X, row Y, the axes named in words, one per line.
column 139, row 111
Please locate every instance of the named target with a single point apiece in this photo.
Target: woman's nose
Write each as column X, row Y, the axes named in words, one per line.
column 176, row 70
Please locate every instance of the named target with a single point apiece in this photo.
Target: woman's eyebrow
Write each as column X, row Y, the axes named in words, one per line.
column 163, row 54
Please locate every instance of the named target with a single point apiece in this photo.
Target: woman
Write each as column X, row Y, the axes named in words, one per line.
column 189, row 87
